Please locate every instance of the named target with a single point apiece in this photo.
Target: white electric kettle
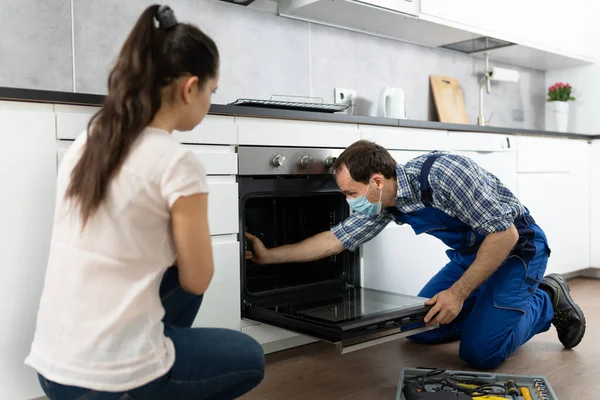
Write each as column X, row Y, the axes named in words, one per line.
column 392, row 103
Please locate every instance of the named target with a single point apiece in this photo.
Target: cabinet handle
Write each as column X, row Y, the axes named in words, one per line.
column 508, row 141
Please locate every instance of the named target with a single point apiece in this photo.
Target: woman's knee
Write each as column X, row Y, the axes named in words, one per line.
column 246, row 351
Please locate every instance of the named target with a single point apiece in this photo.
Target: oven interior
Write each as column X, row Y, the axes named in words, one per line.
column 279, row 220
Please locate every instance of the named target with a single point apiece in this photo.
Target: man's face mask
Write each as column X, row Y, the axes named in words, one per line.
column 363, row 206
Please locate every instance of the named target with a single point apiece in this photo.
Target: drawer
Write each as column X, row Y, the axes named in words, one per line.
column 71, row 121
column 543, row 154
column 406, row 138
column 214, row 129
column 272, row 132
column 217, row 160
column 226, row 254
column 61, row 150
column 223, row 214
column 476, row 141
column 221, row 303
column 220, row 307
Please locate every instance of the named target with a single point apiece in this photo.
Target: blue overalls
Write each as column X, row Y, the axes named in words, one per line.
column 504, row 312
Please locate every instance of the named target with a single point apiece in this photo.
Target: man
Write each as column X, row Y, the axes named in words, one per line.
column 491, row 294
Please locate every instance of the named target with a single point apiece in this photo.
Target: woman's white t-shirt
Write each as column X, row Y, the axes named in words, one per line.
column 99, row 323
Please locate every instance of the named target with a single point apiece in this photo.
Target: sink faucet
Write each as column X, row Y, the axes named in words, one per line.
column 485, row 81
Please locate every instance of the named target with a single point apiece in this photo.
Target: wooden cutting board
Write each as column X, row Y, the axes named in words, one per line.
column 449, row 100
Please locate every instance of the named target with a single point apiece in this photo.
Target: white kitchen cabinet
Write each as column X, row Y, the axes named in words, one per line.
column 221, row 303
column 554, row 184
column 595, row 204
column 214, row 129
column 71, row 121
column 502, row 164
column 399, row 261
column 28, row 174
column 533, row 25
column 274, row 132
column 217, row 160
column 394, row 138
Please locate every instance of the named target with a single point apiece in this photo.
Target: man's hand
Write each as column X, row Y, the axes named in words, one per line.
column 446, row 305
column 259, row 253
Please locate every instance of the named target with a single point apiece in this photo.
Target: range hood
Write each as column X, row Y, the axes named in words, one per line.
column 484, row 43
column 394, row 19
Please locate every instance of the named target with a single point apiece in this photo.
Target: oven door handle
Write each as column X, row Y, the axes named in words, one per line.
column 350, row 346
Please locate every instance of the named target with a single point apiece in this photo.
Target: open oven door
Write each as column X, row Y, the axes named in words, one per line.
column 353, row 319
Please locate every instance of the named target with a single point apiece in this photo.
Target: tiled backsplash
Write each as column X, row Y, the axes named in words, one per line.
column 262, row 54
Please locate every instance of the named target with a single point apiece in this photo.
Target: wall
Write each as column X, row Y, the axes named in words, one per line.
column 262, row 54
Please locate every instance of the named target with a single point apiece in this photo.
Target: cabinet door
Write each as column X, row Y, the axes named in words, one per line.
column 221, row 303
column 595, row 205
column 28, row 176
column 399, row 261
column 501, row 164
column 556, row 190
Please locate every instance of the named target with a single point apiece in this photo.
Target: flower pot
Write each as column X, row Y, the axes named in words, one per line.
column 561, row 115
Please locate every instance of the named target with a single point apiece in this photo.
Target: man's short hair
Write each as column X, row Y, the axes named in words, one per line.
column 363, row 159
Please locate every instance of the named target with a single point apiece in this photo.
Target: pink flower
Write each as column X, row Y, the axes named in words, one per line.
column 568, row 86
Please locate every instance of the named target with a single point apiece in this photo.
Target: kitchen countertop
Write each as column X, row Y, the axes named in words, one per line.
column 32, row 95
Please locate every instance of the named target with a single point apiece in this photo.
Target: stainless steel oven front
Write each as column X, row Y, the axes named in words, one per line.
column 288, row 194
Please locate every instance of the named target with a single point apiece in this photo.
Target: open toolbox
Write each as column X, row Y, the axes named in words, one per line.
column 440, row 384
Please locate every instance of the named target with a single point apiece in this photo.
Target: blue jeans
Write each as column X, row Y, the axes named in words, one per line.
column 210, row 363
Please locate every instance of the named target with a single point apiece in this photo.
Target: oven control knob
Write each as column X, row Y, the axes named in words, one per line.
column 329, row 161
column 306, row 161
column 278, row 161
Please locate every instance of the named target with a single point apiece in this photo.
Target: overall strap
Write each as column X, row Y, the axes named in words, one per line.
column 426, row 194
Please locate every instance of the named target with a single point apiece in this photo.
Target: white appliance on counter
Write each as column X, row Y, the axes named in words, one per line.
column 392, row 103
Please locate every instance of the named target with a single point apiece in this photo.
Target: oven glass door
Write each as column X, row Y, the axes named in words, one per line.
column 353, row 313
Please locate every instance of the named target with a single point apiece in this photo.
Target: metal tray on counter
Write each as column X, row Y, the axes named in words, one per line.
column 308, row 106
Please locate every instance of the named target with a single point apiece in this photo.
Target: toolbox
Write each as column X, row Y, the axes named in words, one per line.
column 440, row 384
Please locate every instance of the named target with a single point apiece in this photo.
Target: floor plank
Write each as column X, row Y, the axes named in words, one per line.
column 316, row 371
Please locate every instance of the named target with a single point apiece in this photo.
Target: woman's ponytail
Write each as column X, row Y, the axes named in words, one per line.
column 145, row 65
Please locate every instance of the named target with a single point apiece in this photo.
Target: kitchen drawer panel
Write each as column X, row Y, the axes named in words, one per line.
column 214, row 129
column 484, row 142
column 406, row 138
column 217, row 160
column 220, row 307
column 223, row 216
column 226, row 258
column 69, row 125
column 271, row 132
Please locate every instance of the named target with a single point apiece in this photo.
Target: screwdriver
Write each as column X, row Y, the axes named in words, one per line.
column 526, row 393
column 513, row 389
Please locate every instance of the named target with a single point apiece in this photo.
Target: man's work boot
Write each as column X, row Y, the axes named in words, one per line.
column 568, row 317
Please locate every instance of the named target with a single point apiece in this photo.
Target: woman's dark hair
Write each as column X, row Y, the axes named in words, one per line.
column 363, row 159
column 157, row 51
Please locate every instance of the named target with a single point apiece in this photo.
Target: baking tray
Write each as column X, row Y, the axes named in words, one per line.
column 520, row 380
column 291, row 105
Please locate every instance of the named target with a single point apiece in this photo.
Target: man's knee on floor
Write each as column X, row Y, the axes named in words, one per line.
column 479, row 357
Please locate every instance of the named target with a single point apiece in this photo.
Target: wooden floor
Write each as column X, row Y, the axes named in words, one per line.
column 317, row 372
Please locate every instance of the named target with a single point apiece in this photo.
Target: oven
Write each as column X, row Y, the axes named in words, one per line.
column 287, row 195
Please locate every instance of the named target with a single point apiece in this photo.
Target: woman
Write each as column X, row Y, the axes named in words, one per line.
column 114, row 321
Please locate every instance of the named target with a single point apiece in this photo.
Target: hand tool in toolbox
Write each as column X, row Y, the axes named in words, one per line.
column 440, row 384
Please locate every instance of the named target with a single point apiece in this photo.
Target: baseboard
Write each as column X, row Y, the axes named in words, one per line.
column 593, row 273
column 286, row 344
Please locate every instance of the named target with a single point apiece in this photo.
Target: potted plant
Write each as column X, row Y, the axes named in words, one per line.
column 559, row 94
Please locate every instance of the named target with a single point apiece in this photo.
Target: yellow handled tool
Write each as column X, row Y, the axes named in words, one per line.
column 526, row 393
